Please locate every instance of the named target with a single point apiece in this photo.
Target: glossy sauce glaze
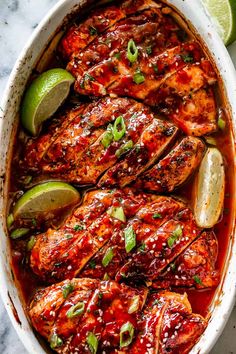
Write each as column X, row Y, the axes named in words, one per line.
column 200, row 299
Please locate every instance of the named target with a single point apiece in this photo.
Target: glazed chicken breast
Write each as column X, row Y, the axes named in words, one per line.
column 128, row 236
column 84, row 316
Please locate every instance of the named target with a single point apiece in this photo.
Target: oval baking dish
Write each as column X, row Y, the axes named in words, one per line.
column 38, row 54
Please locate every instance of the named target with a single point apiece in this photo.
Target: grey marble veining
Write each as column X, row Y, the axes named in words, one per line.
column 18, row 18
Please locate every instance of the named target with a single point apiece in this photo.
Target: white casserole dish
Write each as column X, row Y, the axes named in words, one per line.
column 195, row 14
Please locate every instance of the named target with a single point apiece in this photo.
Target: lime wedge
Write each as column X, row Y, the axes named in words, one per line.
column 43, row 97
column 223, row 14
column 45, row 199
column 210, row 186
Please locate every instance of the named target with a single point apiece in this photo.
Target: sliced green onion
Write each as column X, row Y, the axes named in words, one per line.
column 132, row 51
column 187, row 58
column 155, row 68
column 108, row 136
column 149, row 50
column 27, row 180
column 117, row 213
column 31, row 243
column 197, row 279
column 79, row 227
column 17, row 233
column 107, row 257
column 10, row 220
column 157, row 216
column 117, row 56
column 34, row 222
column 92, row 342
column 142, row 247
column 55, row 341
column 75, row 310
column 92, row 30
column 67, row 289
column 134, row 306
column 92, row 264
column 130, row 239
column 106, row 277
column 221, row 123
column 175, row 235
column 139, row 78
column 124, row 148
column 88, row 77
column 119, row 128
column 126, row 334
column 210, row 140
column 173, row 267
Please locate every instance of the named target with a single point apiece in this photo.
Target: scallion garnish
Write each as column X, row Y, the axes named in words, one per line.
column 119, row 128
column 117, row 213
column 78, row 227
column 117, row 55
column 155, row 68
column 67, row 289
column 126, row 334
column 92, row 264
column 157, row 216
column 124, row 148
column 221, row 123
column 76, row 310
column 175, row 235
column 92, row 30
column 130, row 239
column 134, row 305
column 149, row 50
column 92, row 342
column 132, row 51
column 107, row 257
column 106, row 277
column 31, row 243
column 17, row 233
column 55, row 341
column 107, row 136
column 197, row 279
column 187, row 58
column 139, row 78
column 10, row 220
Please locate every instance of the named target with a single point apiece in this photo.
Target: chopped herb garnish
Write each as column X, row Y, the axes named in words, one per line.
column 108, row 136
column 75, row 310
column 139, row 78
column 173, row 267
column 92, row 30
column 119, row 128
column 34, row 222
column 31, row 243
column 142, row 247
column 92, row 264
column 79, row 227
column 69, row 236
column 221, row 123
column 100, row 295
column 55, row 341
column 149, row 50
column 197, row 279
column 132, row 51
column 117, row 213
column 106, row 277
column 187, row 58
column 130, row 239
column 126, row 334
column 88, row 77
column 67, row 289
column 117, row 56
column 157, row 216
column 175, row 235
column 10, row 220
column 134, row 305
column 124, row 148
column 27, row 180
column 107, row 257
column 92, row 342
column 17, row 233
column 155, row 68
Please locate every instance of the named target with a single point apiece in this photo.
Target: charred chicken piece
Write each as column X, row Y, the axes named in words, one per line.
column 195, row 267
column 83, row 314
column 175, row 168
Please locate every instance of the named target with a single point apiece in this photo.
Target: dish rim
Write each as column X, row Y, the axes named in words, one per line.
column 200, row 20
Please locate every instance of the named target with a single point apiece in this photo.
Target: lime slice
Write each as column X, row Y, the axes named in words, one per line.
column 210, row 185
column 223, row 14
column 45, row 199
column 43, row 97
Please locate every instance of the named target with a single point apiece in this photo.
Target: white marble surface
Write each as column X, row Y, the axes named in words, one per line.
column 18, row 18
